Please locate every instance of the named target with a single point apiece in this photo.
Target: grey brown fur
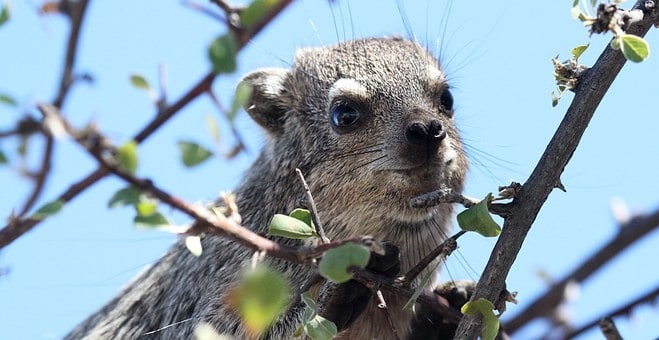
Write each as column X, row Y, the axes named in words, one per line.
column 361, row 181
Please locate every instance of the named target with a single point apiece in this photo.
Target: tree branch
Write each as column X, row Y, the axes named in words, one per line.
column 19, row 226
column 546, row 176
column 630, row 232
column 76, row 13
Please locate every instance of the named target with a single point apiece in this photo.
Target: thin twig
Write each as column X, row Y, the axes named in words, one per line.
column 449, row 196
column 19, row 226
column 545, row 176
column 443, row 250
column 76, row 14
column 314, row 211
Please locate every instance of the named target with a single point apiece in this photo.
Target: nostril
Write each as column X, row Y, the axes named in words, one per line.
column 436, row 131
column 416, row 133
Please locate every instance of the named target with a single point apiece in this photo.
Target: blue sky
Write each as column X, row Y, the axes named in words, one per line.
column 498, row 61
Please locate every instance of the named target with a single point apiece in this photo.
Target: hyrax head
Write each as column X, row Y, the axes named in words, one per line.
column 369, row 122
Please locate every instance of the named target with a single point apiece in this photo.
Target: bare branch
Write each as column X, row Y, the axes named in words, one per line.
column 76, row 12
column 545, row 176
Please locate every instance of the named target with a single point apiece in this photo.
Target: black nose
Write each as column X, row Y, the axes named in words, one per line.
column 425, row 133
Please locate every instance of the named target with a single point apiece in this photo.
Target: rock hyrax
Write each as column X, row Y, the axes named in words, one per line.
column 370, row 124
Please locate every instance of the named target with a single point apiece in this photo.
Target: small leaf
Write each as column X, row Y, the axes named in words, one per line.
column 576, row 13
column 193, row 243
column 193, row 154
column 319, row 328
column 155, row 220
column 243, row 93
column 3, row 158
column 260, row 297
column 290, row 227
column 309, row 301
column 5, row 13
column 579, row 50
column 478, row 219
column 140, row 82
column 222, row 53
column 634, row 48
column 48, row 209
column 123, row 197
column 146, row 207
column 256, row 11
column 314, row 325
column 303, row 215
column 335, row 263
column 490, row 321
column 127, row 157
column 615, row 43
column 7, row 100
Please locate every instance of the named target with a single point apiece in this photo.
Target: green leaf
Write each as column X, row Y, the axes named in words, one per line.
column 140, row 82
column 193, row 243
column 260, row 297
column 490, row 321
column 309, row 301
column 146, row 207
column 193, row 154
column 579, row 50
column 290, row 227
column 6, row 99
column 634, row 48
column 243, row 93
column 575, row 12
column 48, row 209
column 335, row 263
column 256, row 11
column 319, row 328
column 127, row 157
column 5, row 13
column 478, row 219
column 123, row 197
column 3, row 158
column 222, row 53
column 303, row 215
column 154, row 220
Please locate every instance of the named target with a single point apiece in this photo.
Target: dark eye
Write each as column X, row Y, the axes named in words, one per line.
column 345, row 118
column 446, row 100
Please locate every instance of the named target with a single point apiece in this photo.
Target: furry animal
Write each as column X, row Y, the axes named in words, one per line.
column 370, row 124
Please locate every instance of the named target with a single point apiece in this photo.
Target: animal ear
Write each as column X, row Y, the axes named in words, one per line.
column 267, row 104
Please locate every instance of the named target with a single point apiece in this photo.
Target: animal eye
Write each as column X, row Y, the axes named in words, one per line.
column 345, row 118
column 446, row 100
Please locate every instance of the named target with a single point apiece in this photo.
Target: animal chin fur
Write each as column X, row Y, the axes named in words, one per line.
column 353, row 196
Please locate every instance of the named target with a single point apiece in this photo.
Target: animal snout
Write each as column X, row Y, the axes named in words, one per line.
column 426, row 134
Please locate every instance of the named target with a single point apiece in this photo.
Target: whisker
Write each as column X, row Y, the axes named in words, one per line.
column 168, row 326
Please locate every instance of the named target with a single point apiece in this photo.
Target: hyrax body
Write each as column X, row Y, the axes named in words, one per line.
column 369, row 123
